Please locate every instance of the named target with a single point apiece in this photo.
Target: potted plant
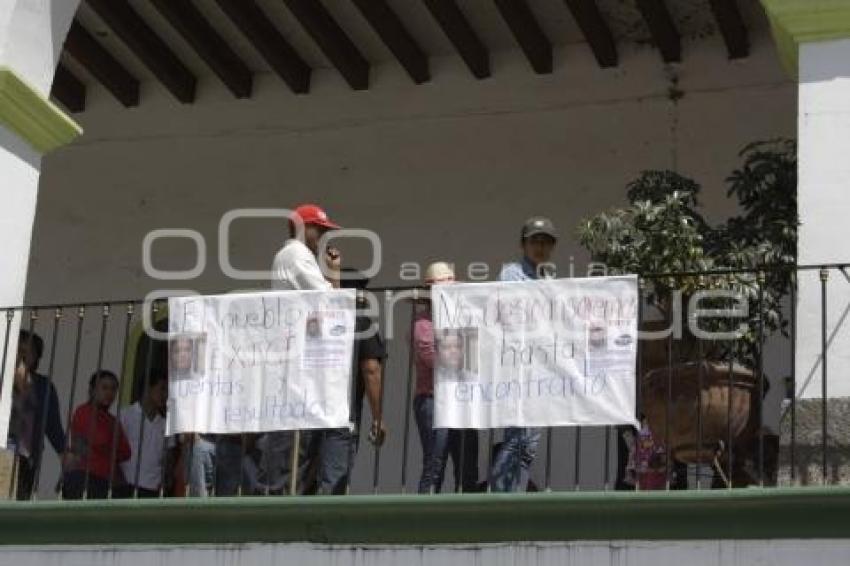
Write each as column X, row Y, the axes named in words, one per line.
column 713, row 385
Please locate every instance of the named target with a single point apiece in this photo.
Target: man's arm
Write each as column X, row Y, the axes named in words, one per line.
column 372, row 372
column 54, row 423
column 308, row 275
column 370, row 369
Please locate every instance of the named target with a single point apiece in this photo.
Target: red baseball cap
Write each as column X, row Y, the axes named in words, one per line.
column 312, row 214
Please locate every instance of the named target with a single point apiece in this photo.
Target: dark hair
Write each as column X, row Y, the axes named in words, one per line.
column 34, row 339
column 155, row 378
column 100, row 374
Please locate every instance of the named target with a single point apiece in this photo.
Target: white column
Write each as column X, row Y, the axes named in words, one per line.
column 824, row 207
column 31, row 36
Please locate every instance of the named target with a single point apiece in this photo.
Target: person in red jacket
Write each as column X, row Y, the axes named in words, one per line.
column 95, row 438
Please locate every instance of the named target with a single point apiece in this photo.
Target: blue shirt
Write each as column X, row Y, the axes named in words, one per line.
column 519, row 271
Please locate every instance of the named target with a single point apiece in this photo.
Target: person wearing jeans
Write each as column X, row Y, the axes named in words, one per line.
column 511, row 464
column 333, row 451
column 441, row 443
column 296, row 267
column 33, row 395
column 214, row 465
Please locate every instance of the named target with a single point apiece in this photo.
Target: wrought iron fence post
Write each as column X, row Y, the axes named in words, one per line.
column 408, row 402
column 122, row 380
column 45, row 404
column 93, row 406
column 824, row 278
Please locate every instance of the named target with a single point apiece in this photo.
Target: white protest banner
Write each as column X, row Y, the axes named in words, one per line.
column 553, row 352
column 260, row 362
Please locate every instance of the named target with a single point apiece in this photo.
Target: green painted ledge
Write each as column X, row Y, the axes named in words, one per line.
column 31, row 116
column 441, row 519
column 800, row 21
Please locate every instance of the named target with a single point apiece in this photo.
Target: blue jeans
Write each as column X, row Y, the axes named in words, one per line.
column 513, row 460
column 332, row 453
column 214, row 462
column 276, row 458
column 440, row 443
column 325, row 459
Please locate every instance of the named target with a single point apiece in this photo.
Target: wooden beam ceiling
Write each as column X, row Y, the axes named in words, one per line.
column 208, row 44
column 595, row 30
column 268, row 41
column 528, row 33
column 332, row 40
column 84, row 48
column 732, row 26
column 68, row 90
column 459, row 31
column 395, row 36
column 663, row 29
column 189, row 20
column 126, row 23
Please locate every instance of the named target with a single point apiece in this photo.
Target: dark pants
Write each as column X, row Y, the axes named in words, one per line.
column 74, row 486
column 26, row 478
column 214, row 465
column 440, row 444
column 330, row 456
column 130, row 491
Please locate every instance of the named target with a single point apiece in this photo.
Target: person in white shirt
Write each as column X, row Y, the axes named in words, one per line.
column 296, row 267
column 144, row 426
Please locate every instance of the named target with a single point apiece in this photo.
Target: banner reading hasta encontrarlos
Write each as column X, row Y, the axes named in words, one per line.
column 551, row 352
column 260, row 362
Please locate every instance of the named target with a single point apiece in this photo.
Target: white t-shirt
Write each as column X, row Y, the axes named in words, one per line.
column 150, row 472
column 295, row 268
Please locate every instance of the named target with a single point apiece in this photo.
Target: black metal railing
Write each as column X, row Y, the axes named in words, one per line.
column 686, row 386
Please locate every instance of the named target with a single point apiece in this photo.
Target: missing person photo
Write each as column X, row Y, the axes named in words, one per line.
column 186, row 355
column 313, row 327
column 457, row 354
column 597, row 337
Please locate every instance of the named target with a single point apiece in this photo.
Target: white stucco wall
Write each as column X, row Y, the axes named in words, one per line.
column 31, row 35
column 446, row 170
column 622, row 553
column 824, row 202
column 427, row 167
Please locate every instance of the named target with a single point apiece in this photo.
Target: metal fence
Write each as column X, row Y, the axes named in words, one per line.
column 721, row 413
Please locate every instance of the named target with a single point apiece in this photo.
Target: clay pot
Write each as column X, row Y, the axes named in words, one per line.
column 688, row 400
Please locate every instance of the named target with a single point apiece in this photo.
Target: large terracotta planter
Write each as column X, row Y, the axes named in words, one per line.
column 688, row 400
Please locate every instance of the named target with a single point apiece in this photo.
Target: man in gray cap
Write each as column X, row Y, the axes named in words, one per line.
column 512, row 462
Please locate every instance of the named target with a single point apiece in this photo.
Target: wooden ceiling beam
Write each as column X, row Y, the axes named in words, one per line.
column 84, row 48
column 596, row 31
column 459, row 31
column 208, row 44
column 528, row 33
column 662, row 28
column 395, row 36
column 68, row 90
column 332, row 40
column 151, row 50
column 732, row 26
column 269, row 42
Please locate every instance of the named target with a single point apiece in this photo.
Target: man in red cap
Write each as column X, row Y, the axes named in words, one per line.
column 295, row 265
